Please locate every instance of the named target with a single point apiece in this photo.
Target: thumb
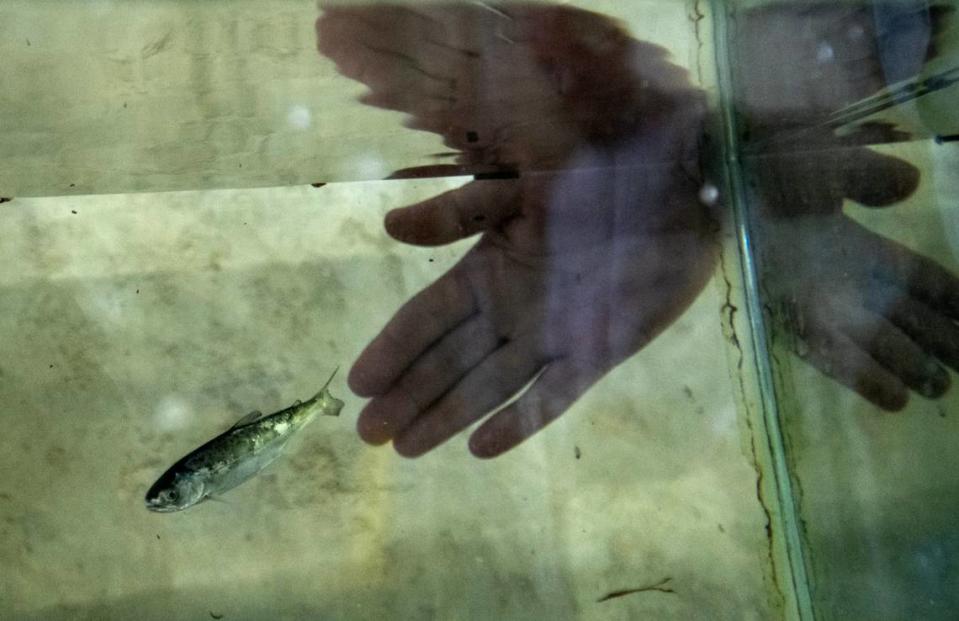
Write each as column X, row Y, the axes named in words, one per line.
column 877, row 180
column 456, row 214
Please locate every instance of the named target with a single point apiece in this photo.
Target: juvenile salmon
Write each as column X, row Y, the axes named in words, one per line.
column 235, row 455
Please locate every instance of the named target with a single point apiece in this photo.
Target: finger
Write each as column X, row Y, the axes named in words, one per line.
column 876, row 180
column 925, row 279
column 497, row 378
column 472, row 28
column 456, row 214
column 837, row 356
column 409, row 101
column 893, row 349
column 464, row 129
column 418, row 35
column 931, row 330
column 433, row 170
column 360, row 53
column 872, row 132
column 427, row 379
column 602, row 74
column 426, row 317
column 553, row 392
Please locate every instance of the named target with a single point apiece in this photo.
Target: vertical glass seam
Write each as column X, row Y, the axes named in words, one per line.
column 769, row 403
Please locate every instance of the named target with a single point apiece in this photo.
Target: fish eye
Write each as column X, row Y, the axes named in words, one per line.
column 173, row 495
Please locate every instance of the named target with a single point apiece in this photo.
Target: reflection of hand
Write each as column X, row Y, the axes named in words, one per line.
column 523, row 89
column 595, row 248
column 866, row 311
column 798, row 63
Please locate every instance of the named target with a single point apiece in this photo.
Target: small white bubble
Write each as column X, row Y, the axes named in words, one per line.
column 368, row 166
column 708, row 194
column 105, row 305
column 723, row 421
column 171, row 413
column 299, row 117
column 825, row 53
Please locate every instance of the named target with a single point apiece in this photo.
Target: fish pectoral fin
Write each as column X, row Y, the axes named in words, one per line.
column 249, row 418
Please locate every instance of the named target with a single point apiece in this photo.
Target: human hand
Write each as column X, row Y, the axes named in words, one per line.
column 798, row 65
column 863, row 309
column 869, row 312
column 595, row 248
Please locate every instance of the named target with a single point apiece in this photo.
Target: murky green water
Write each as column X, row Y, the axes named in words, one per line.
column 166, row 267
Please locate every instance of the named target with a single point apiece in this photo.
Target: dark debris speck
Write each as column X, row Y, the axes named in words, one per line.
column 662, row 586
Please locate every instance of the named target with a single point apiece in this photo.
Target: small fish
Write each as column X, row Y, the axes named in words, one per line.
column 235, row 455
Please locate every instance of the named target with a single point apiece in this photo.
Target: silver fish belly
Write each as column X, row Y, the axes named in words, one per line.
column 236, row 455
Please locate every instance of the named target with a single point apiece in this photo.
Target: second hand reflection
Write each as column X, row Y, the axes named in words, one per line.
column 863, row 309
column 603, row 238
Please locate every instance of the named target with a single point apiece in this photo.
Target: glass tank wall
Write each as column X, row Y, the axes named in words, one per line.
column 667, row 330
column 845, row 127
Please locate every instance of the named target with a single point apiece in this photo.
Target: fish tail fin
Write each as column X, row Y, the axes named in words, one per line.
column 327, row 384
column 330, row 405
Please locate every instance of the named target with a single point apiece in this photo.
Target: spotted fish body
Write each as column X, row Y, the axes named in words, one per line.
column 236, row 455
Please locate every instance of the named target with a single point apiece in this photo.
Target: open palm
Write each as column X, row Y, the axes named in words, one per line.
column 862, row 308
column 594, row 248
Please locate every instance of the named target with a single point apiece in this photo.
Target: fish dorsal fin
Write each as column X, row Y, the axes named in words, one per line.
column 249, row 418
column 297, row 402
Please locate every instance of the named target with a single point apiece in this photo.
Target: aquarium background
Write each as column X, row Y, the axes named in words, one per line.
column 166, row 267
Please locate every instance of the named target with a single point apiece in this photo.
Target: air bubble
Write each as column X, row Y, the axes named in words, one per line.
column 825, row 53
column 299, row 117
column 708, row 194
